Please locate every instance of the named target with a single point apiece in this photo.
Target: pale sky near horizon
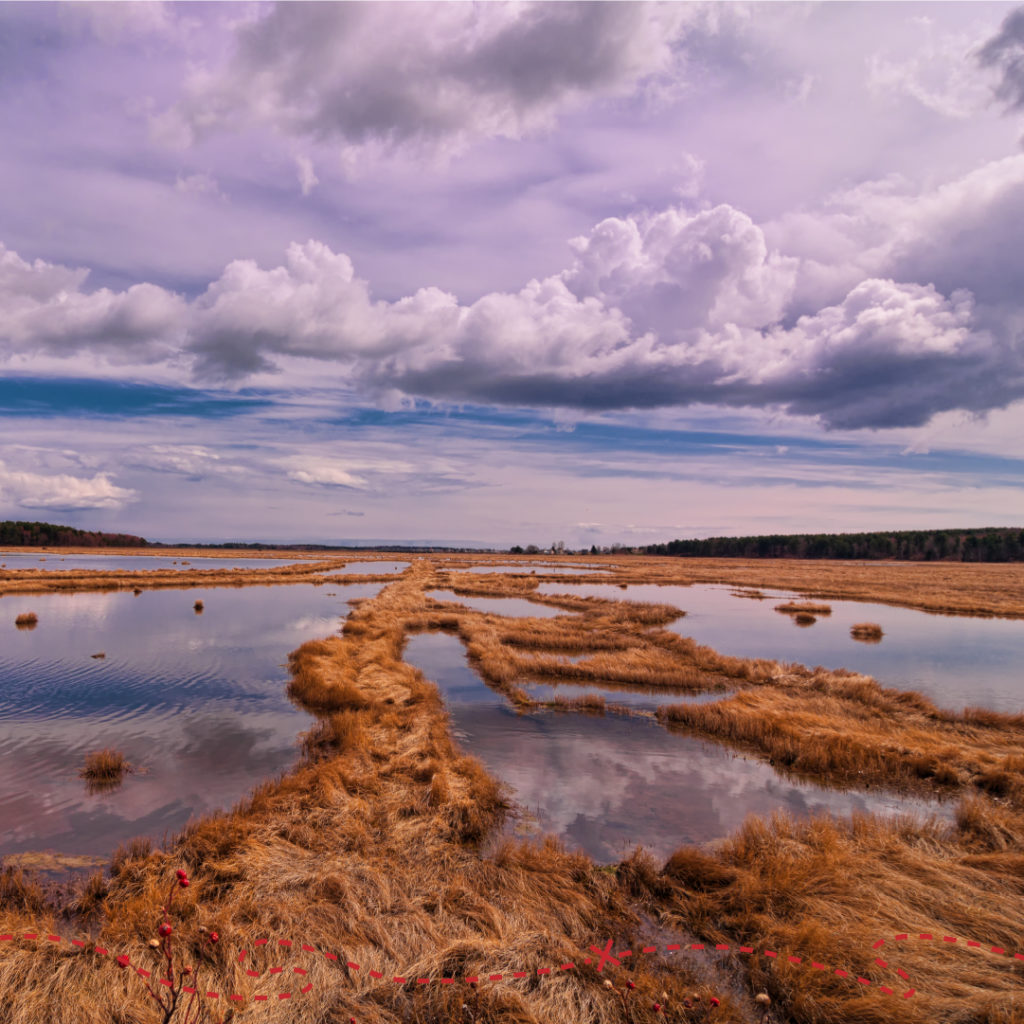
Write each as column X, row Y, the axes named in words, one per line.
column 511, row 273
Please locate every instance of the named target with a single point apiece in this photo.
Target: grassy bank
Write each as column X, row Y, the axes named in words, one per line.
column 380, row 847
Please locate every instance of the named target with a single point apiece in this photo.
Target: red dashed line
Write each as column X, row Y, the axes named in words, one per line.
column 125, row 961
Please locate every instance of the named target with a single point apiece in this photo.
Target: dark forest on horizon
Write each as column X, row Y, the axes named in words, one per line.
column 991, row 544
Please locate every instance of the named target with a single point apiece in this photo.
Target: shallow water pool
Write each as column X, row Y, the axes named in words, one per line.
column 56, row 562
column 957, row 661
column 605, row 784
column 196, row 701
column 515, row 607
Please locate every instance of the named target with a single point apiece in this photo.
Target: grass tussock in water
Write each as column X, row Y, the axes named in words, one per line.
column 26, row 620
column 804, row 608
column 105, row 767
column 867, row 632
column 378, row 847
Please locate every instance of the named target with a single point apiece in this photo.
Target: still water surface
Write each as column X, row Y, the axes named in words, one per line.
column 196, row 701
column 605, row 784
column 957, row 661
column 516, row 607
column 132, row 563
column 368, row 568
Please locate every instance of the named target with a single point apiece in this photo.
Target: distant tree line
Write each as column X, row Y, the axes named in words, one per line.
column 993, row 544
column 49, row 535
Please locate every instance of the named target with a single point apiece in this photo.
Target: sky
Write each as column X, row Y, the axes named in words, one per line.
column 500, row 274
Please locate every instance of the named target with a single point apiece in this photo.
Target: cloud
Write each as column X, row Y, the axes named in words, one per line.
column 201, row 184
column 44, row 308
column 324, row 472
column 307, row 176
column 851, row 314
column 1005, row 52
column 437, row 77
column 61, row 491
column 940, row 75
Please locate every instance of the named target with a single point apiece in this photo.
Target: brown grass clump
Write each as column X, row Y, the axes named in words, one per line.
column 27, row 620
column 805, row 619
column 828, row 891
column 867, row 632
column 804, row 607
column 105, row 768
column 198, row 607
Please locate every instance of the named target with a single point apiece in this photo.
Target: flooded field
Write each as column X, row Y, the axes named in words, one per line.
column 605, row 784
column 195, row 701
column 518, row 607
column 368, row 568
column 957, row 661
column 522, row 567
column 132, row 563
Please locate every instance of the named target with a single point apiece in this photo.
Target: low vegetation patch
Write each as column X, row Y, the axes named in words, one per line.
column 867, row 632
column 804, row 608
column 27, row 620
column 382, row 846
column 105, row 766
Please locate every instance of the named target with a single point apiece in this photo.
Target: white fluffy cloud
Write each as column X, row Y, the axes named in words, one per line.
column 61, row 491
column 432, row 75
column 44, row 308
column 308, row 469
column 852, row 314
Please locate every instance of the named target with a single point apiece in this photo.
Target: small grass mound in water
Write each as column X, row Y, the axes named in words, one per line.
column 198, row 607
column 27, row 620
column 804, row 608
column 805, row 619
column 867, row 632
column 105, row 767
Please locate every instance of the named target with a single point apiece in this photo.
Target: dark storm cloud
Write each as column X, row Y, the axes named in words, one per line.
column 1005, row 52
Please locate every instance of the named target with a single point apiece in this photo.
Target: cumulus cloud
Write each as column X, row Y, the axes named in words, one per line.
column 435, row 75
column 873, row 324
column 1005, row 53
column 61, row 491
column 45, row 308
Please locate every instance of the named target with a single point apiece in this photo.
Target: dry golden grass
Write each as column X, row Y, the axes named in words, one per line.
column 804, row 607
column 27, row 620
column 107, row 765
column 378, row 847
column 869, row 632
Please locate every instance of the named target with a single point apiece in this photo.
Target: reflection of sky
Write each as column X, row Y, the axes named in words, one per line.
column 527, row 568
column 197, row 702
column 368, row 568
column 517, row 607
column 648, row 698
column 955, row 660
column 606, row 784
column 132, row 563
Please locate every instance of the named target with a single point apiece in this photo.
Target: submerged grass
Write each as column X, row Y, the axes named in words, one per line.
column 379, row 847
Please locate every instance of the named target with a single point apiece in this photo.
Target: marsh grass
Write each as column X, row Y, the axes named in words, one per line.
column 380, row 846
column 26, row 620
column 105, row 769
column 804, row 607
column 867, row 632
column 198, row 607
